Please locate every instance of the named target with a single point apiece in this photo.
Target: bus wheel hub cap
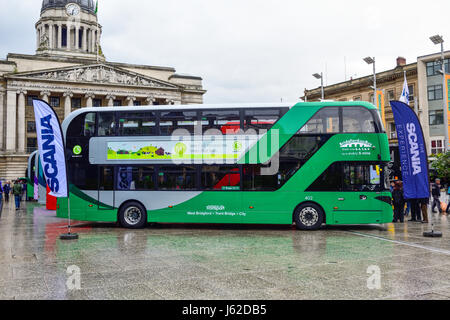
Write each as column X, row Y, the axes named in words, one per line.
column 309, row 216
column 132, row 215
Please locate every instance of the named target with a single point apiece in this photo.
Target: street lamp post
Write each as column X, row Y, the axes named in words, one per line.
column 437, row 39
column 370, row 60
column 320, row 76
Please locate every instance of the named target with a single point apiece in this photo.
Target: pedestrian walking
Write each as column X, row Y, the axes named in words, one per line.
column 424, row 207
column 7, row 190
column 17, row 191
column 399, row 202
column 436, row 194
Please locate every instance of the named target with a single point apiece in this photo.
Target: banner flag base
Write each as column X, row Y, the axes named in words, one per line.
column 69, row 236
column 432, row 234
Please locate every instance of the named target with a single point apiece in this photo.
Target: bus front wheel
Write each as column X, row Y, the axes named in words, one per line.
column 132, row 216
column 309, row 216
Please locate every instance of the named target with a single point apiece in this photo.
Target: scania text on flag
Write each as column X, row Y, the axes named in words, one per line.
column 51, row 148
column 413, row 154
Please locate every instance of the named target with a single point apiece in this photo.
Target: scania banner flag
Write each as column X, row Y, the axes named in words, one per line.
column 51, row 148
column 413, row 153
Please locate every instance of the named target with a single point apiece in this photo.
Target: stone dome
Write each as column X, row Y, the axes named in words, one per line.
column 87, row 5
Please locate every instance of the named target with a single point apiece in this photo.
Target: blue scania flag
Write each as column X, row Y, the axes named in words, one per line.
column 51, row 148
column 413, row 153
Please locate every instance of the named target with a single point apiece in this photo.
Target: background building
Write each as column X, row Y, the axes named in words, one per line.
column 390, row 81
column 432, row 93
column 69, row 70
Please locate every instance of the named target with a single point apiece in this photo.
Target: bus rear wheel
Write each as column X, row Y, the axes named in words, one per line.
column 309, row 216
column 132, row 216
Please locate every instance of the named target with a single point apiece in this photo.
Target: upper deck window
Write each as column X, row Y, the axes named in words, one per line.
column 261, row 119
column 357, row 119
column 221, row 121
column 137, row 124
column 83, row 125
column 325, row 121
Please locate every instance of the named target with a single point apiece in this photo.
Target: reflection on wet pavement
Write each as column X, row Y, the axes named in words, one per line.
column 218, row 261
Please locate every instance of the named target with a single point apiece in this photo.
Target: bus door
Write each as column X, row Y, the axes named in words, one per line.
column 106, row 193
column 357, row 204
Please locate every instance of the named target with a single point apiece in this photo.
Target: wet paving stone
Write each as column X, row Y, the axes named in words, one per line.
column 219, row 262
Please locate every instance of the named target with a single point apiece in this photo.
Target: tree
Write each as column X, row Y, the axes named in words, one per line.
column 442, row 166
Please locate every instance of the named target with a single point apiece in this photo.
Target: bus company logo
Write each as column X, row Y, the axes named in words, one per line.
column 356, row 144
column 77, row 150
column 215, row 208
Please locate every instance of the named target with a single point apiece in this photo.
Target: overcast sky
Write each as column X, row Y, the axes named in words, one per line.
column 251, row 50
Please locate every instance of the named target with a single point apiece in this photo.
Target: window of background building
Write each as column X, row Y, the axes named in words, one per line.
column 97, row 102
column 437, row 146
column 117, row 103
column 434, row 67
column 436, row 117
column 391, row 95
column 31, row 126
column 30, row 100
column 358, row 98
column 435, row 92
column 31, row 144
column 136, row 103
column 76, row 103
column 393, row 130
column 411, row 92
column 55, row 102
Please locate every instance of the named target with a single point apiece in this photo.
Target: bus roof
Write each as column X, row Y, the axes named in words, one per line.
column 215, row 106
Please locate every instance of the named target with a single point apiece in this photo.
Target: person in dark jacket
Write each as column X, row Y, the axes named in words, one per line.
column 436, row 193
column 7, row 190
column 399, row 202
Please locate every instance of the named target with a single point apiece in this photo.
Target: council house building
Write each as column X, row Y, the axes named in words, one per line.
column 70, row 71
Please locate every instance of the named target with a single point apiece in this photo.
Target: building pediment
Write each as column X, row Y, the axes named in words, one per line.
column 95, row 74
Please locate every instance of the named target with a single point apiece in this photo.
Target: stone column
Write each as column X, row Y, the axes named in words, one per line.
column 150, row 100
column 2, row 127
column 45, row 95
column 67, row 103
column 89, row 97
column 11, row 120
column 50, row 36
column 110, row 99
column 84, row 40
column 77, row 38
column 69, row 42
column 92, row 40
column 130, row 101
column 59, row 45
column 21, row 121
column 38, row 39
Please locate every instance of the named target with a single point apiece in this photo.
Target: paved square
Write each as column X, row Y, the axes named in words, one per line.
column 219, row 261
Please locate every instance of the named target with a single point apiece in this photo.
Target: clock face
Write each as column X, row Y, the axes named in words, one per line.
column 72, row 9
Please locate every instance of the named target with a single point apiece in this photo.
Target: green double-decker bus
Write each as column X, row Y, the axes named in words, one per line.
column 309, row 164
